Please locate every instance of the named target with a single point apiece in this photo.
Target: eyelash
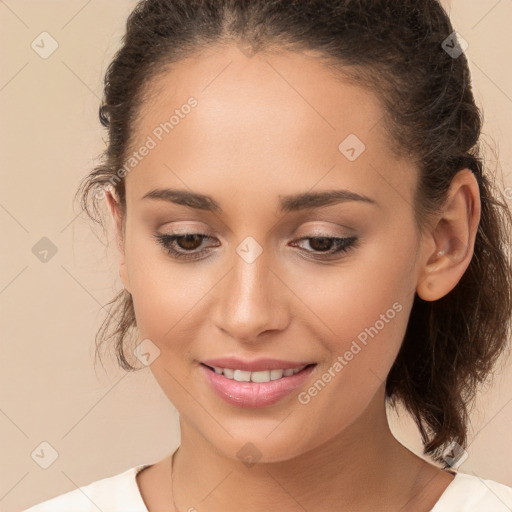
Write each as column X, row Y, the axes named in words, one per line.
column 167, row 241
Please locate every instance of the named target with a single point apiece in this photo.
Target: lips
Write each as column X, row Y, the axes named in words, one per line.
column 251, row 394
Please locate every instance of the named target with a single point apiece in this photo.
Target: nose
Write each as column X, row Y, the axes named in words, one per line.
column 252, row 300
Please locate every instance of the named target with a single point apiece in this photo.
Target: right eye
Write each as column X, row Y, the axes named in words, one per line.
column 183, row 246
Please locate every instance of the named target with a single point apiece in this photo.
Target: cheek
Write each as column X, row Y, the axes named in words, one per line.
column 362, row 311
column 366, row 313
column 163, row 292
column 350, row 298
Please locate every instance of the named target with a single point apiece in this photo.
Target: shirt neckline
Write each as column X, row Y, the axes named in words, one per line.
column 134, row 472
column 449, row 489
column 440, row 502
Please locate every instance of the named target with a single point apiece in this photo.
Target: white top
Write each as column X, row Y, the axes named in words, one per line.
column 120, row 493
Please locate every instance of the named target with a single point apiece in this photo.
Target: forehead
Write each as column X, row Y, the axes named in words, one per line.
column 267, row 122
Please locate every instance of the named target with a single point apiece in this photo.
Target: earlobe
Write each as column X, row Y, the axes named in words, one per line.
column 452, row 239
column 118, row 225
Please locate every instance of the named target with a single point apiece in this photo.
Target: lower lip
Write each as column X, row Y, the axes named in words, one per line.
column 254, row 394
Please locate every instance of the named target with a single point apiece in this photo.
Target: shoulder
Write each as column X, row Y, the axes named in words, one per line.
column 115, row 493
column 470, row 493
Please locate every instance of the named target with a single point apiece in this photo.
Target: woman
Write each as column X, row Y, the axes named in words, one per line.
column 306, row 232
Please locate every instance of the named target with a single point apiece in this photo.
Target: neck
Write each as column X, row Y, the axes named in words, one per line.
column 362, row 467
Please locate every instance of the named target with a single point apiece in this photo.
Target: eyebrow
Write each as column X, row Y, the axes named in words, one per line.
column 288, row 203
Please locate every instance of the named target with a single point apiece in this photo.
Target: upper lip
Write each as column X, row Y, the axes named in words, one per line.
column 254, row 365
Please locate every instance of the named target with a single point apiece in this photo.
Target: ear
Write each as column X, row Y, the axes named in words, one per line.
column 450, row 242
column 117, row 218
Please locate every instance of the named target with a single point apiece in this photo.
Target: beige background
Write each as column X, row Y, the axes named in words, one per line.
column 103, row 421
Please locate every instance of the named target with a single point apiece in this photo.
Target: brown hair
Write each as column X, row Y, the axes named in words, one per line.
column 395, row 50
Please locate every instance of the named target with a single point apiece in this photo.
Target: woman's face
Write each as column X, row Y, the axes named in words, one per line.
column 258, row 131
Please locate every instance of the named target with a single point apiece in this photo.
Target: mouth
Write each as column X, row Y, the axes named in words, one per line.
column 257, row 376
column 255, row 389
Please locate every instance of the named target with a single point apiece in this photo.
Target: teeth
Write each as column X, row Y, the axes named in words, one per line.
column 242, row 376
column 230, row 374
column 276, row 374
column 261, row 376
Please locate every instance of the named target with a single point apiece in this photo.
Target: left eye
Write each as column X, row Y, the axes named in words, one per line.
column 185, row 245
column 324, row 244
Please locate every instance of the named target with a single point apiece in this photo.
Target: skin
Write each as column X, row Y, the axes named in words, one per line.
column 265, row 126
